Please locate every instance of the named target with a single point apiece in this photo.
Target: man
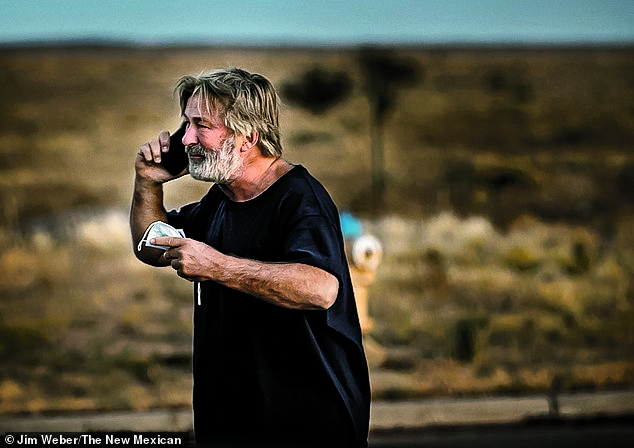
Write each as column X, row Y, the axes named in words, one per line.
column 278, row 355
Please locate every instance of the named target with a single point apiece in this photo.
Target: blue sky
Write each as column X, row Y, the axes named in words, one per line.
column 321, row 22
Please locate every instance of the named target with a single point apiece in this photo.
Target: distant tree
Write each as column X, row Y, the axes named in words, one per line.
column 318, row 90
column 385, row 74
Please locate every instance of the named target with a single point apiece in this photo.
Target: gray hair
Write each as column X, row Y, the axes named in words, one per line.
column 248, row 103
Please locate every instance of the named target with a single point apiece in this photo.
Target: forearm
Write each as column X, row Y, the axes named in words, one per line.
column 290, row 285
column 147, row 207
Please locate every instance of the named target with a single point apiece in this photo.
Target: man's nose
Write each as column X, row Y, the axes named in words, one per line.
column 189, row 138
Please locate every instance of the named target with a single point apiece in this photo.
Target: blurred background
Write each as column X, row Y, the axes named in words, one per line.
column 486, row 145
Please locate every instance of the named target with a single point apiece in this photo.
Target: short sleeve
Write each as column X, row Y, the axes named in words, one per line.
column 314, row 241
column 185, row 218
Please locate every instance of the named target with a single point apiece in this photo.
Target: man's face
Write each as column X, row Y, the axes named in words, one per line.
column 209, row 144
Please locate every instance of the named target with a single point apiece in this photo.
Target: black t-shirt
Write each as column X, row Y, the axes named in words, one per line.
column 264, row 374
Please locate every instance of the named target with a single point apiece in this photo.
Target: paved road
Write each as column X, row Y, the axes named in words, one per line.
column 598, row 419
column 582, row 420
column 609, row 433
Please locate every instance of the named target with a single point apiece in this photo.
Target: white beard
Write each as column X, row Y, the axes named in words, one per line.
column 219, row 165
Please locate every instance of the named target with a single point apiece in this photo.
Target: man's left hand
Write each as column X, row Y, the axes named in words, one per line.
column 190, row 259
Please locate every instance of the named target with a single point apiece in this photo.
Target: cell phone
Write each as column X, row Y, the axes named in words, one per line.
column 175, row 160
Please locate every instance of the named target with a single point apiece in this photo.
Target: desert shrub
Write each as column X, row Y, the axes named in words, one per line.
column 318, row 89
column 21, row 346
column 466, row 338
column 521, row 259
column 499, row 81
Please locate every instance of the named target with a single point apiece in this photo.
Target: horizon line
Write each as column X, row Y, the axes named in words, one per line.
column 82, row 42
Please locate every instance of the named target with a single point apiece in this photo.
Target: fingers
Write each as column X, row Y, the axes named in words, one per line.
column 152, row 150
column 164, row 141
column 180, row 273
column 170, row 241
column 184, row 256
column 177, row 264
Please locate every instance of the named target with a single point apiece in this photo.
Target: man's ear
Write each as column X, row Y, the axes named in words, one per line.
column 250, row 140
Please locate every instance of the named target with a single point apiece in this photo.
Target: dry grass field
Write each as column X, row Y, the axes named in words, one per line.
column 506, row 218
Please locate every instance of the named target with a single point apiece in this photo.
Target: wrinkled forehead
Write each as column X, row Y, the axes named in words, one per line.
column 201, row 107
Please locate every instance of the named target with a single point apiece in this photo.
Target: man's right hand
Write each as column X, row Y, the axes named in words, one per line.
column 148, row 161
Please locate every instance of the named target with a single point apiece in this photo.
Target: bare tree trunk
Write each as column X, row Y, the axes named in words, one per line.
column 377, row 154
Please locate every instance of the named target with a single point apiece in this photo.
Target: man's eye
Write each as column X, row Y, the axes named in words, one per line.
column 202, row 125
